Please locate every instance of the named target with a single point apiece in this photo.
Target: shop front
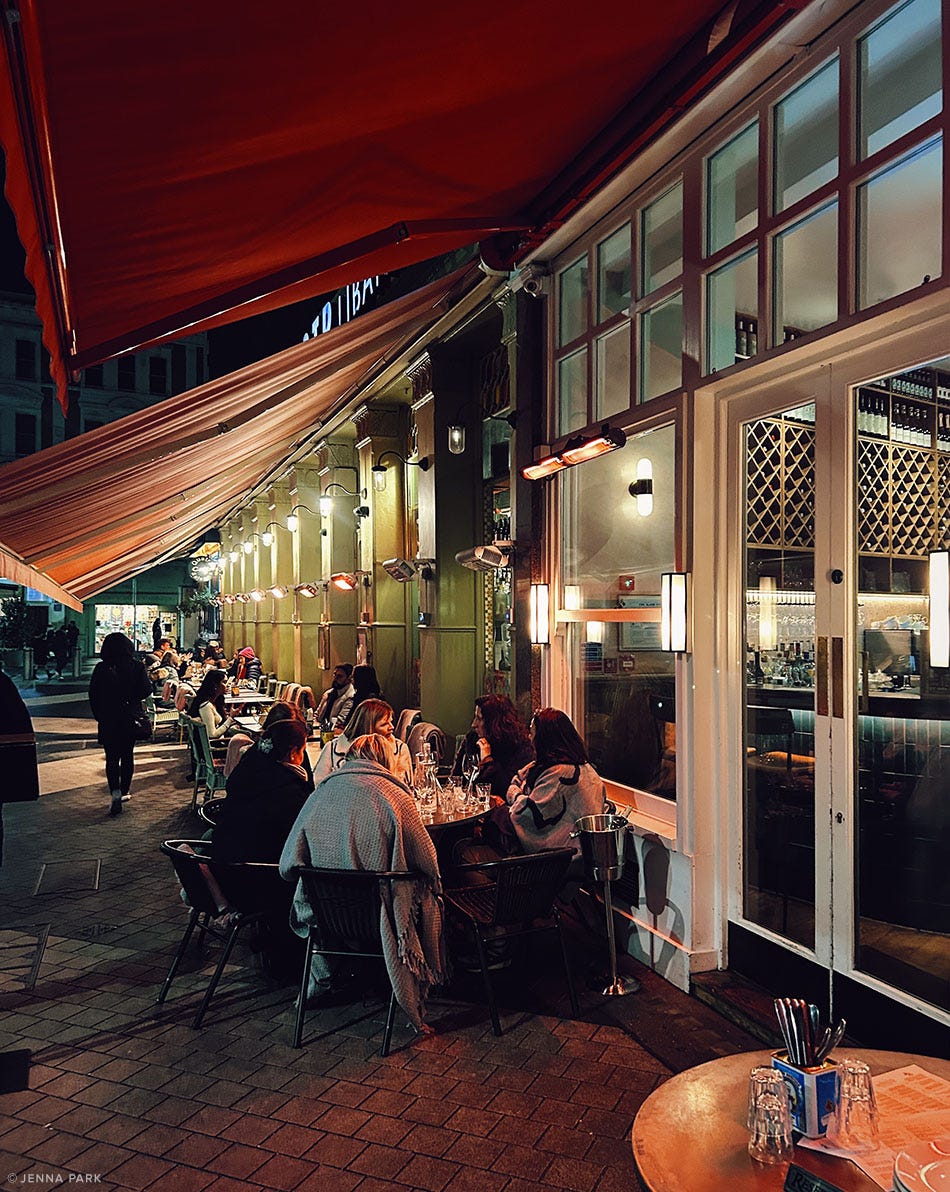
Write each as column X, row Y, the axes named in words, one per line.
column 754, row 319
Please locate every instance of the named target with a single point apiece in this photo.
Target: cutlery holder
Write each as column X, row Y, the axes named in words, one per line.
column 811, row 1094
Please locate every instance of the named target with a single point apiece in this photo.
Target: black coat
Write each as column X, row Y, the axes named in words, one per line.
column 263, row 799
column 116, row 691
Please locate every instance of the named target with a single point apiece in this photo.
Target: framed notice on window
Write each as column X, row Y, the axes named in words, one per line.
column 639, row 635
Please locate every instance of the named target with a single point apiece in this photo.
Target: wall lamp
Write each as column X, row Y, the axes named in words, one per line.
column 348, row 581
column 293, row 521
column 940, row 608
column 278, row 591
column 257, row 594
column 233, row 556
column 539, row 621
column 242, row 597
column 227, row 598
column 674, row 612
column 576, row 450
column 309, row 590
column 379, row 469
column 326, row 501
column 642, row 487
column 266, row 536
column 457, row 430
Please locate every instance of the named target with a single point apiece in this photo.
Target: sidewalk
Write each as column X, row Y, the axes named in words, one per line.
column 122, row 1093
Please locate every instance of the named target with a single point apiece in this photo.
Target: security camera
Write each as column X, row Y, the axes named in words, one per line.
column 532, row 278
column 483, row 558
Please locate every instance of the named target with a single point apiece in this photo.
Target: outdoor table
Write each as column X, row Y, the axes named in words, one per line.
column 248, row 697
column 690, row 1134
column 248, row 724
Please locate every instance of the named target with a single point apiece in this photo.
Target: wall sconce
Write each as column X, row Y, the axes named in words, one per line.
column 674, row 612
column 940, row 608
column 348, row 581
column 642, row 487
column 457, row 430
column 400, row 569
column 326, row 501
column 227, row 598
column 576, row 451
column 257, row 594
column 379, row 470
column 278, row 591
column 539, row 616
column 308, row 590
column 293, row 521
column 242, row 597
column 266, row 536
column 247, row 547
column 233, row 556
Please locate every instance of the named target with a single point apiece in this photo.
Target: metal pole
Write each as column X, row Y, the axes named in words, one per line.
column 618, row 986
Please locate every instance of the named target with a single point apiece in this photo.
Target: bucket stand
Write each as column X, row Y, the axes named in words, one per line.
column 618, row 985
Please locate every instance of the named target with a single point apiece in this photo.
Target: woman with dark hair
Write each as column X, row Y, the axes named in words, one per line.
column 208, row 704
column 373, row 716
column 240, row 743
column 117, row 688
column 365, row 686
column 498, row 744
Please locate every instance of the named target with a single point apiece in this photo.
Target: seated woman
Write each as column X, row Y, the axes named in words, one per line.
column 545, row 798
column 498, row 744
column 363, row 817
column 246, row 667
column 240, row 743
column 372, row 716
column 208, row 705
column 365, row 685
column 265, row 792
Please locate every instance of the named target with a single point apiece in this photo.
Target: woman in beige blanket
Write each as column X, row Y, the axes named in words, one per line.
column 362, row 817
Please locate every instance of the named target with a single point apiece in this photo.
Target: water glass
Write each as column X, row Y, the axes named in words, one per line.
column 854, row 1126
column 483, row 792
column 763, row 1081
column 770, row 1134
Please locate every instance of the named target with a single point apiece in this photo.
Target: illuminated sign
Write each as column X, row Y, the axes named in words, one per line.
column 344, row 305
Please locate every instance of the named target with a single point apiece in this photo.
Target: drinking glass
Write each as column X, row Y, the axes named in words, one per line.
column 770, row 1135
column 483, row 792
column 763, row 1081
column 854, row 1126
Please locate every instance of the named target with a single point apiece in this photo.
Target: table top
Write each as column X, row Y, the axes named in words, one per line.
column 248, row 697
column 436, row 820
column 690, row 1134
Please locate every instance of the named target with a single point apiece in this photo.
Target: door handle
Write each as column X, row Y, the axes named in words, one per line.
column 821, row 677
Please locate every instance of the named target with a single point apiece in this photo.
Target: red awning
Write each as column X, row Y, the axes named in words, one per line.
column 93, row 510
column 176, row 166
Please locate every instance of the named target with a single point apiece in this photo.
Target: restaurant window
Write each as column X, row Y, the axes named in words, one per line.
column 661, row 348
column 806, row 275
column 731, row 312
column 623, row 683
column 900, row 226
column 125, row 367
column 25, row 362
column 661, row 240
column 805, row 126
column 612, row 385
column 158, row 375
column 572, row 391
column 572, row 302
column 899, row 74
column 93, row 376
column 732, row 190
column 24, row 434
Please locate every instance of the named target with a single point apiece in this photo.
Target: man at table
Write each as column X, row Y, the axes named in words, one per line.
column 337, row 702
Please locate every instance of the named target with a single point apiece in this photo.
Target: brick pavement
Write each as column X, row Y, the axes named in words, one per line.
column 124, row 1093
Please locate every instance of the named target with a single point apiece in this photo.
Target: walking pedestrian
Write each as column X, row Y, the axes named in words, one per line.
column 118, row 686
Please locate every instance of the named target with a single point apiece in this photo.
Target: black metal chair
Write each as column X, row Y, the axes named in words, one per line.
column 210, row 809
column 518, row 898
column 225, row 898
column 346, row 906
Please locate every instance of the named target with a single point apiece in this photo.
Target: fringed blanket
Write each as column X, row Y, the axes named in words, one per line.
column 361, row 817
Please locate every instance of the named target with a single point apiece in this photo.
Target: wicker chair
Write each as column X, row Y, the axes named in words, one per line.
column 346, row 912
column 224, row 899
column 517, row 897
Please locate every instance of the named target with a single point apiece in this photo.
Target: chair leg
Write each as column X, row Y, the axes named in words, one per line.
column 390, row 1019
column 192, row 921
column 213, row 984
column 572, row 992
column 489, row 991
column 302, row 999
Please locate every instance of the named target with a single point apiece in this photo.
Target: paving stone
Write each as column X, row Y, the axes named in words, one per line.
column 429, row 1140
column 427, row 1174
column 142, row 1170
column 282, row 1173
column 238, row 1160
column 382, row 1161
column 336, row 1151
column 573, row 1175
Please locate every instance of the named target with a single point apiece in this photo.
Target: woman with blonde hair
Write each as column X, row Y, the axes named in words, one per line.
column 371, row 717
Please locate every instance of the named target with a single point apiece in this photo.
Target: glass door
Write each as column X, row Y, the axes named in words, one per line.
column 845, row 748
